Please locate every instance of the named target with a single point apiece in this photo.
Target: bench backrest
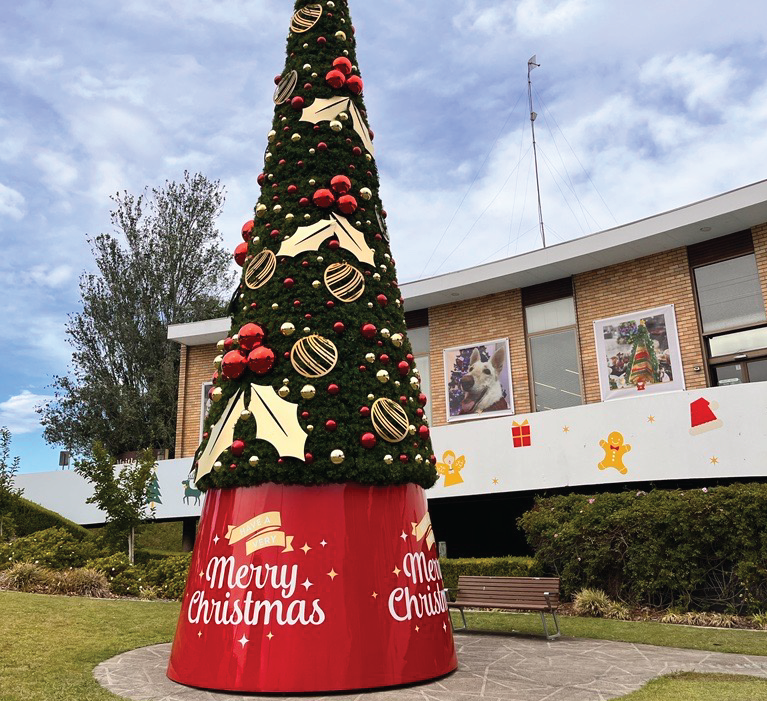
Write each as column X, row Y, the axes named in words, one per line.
column 516, row 591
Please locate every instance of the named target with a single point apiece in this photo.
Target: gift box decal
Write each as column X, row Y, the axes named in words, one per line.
column 520, row 434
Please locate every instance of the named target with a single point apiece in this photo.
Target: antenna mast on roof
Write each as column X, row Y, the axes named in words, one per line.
column 530, row 65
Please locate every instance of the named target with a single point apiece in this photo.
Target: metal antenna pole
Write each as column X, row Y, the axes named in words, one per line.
column 530, row 65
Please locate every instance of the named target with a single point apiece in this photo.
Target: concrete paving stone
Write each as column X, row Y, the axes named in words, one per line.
column 491, row 668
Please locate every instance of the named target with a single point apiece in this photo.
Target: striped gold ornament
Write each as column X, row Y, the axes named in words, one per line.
column 389, row 420
column 261, row 269
column 344, row 282
column 286, row 88
column 306, row 18
column 313, row 356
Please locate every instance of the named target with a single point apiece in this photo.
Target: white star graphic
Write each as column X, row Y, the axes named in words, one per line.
column 404, row 535
column 306, row 584
column 444, row 627
column 216, row 539
column 323, row 543
column 243, row 640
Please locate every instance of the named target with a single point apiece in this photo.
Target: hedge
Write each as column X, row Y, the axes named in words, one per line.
column 700, row 548
column 486, row 566
column 29, row 517
column 53, row 548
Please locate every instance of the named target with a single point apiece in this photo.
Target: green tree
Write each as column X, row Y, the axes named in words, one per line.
column 317, row 381
column 153, row 494
column 121, row 493
column 9, row 493
column 164, row 264
column 644, row 362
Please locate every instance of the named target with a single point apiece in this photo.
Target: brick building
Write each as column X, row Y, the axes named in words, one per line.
column 565, row 322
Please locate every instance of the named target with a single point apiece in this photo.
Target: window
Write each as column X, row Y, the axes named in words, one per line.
column 732, row 319
column 552, row 340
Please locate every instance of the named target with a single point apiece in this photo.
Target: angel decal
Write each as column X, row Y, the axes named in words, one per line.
column 450, row 468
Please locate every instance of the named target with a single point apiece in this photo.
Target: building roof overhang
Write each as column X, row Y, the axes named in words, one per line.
column 727, row 213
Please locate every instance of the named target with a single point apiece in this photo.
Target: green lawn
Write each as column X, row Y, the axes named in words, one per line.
column 49, row 646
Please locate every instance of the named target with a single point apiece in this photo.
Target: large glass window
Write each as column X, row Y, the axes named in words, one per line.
column 553, row 351
column 732, row 316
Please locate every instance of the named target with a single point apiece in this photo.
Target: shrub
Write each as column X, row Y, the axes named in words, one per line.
column 129, row 582
column 55, row 548
column 486, row 566
column 592, row 603
column 80, row 582
column 27, row 577
column 30, row 518
column 760, row 620
column 686, row 548
column 168, row 575
column 111, row 565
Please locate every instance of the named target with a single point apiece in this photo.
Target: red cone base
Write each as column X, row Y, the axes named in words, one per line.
column 313, row 589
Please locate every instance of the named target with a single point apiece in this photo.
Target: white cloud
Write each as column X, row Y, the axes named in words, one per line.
column 58, row 171
column 18, row 412
column 539, row 17
column 12, row 203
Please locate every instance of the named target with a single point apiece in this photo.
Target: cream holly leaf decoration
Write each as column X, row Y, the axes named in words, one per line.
column 309, row 238
column 221, row 435
column 328, row 109
column 277, row 422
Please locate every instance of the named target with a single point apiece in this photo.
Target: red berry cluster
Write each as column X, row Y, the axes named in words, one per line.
column 251, row 353
column 340, row 186
column 341, row 76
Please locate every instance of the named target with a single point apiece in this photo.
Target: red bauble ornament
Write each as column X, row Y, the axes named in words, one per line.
column 288, row 282
column 403, row 400
column 240, row 252
column 335, row 79
column 363, row 368
column 324, row 198
column 341, row 184
column 330, row 304
column 274, row 233
column 423, row 432
column 334, row 245
column 419, row 412
column 333, row 389
column 322, row 146
column 322, row 41
column 331, row 425
column 247, row 229
column 292, row 189
column 277, row 79
column 355, row 84
column 339, row 327
column 304, row 414
column 260, row 179
column 304, row 202
column 308, row 458
column 357, row 151
column 343, row 64
column 403, row 458
column 368, row 330
column 261, row 360
column 233, row 364
column 368, row 440
column 297, row 103
column 233, row 466
column 228, row 343
column 250, row 335
column 404, row 367
column 384, row 359
column 409, row 357
column 365, row 412
column 238, row 448
column 383, row 300
column 433, row 459
column 347, row 204
column 422, row 399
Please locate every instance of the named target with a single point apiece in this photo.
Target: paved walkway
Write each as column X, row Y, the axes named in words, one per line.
column 492, row 667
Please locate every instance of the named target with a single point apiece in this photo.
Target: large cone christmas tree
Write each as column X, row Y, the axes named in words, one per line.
column 644, row 363
column 315, row 567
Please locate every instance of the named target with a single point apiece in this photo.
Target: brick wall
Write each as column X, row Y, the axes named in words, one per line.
column 653, row 281
column 759, row 234
column 483, row 319
column 196, row 369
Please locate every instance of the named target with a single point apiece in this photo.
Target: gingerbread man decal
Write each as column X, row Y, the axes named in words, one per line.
column 614, row 449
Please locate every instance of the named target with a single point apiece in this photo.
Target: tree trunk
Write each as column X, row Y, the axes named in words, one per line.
column 131, row 541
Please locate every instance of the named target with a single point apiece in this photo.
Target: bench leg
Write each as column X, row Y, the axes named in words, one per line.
column 463, row 618
column 558, row 633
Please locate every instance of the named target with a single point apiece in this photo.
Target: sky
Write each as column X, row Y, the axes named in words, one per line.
column 642, row 107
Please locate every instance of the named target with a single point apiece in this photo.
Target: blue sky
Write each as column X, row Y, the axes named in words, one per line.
column 643, row 107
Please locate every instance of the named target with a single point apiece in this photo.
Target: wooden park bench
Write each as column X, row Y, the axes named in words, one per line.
column 509, row 594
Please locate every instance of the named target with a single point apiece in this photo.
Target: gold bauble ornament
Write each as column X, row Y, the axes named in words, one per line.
column 260, row 210
column 382, row 376
column 271, row 135
column 389, row 420
column 335, row 125
column 371, row 397
column 307, row 329
column 283, row 392
column 344, row 116
column 220, row 345
column 217, row 465
column 341, row 35
column 236, row 337
column 268, row 156
column 245, row 414
column 419, row 458
column 217, row 361
column 286, row 381
column 316, row 284
column 275, row 306
column 385, row 333
column 312, row 182
column 411, row 430
column 370, row 357
column 366, row 193
column 377, row 277
column 415, row 383
column 344, row 282
column 296, row 137
column 388, row 459
column 313, row 356
column 337, row 457
column 289, row 216
column 308, row 392
column 253, row 460
column 216, row 394
column 307, row 66
column 397, row 340
column 311, row 152
column 277, row 208
column 287, row 329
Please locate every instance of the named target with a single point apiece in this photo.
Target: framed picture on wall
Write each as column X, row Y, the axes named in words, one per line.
column 638, row 353
column 478, row 380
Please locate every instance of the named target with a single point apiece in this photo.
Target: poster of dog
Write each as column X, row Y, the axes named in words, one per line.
column 478, row 380
column 618, row 349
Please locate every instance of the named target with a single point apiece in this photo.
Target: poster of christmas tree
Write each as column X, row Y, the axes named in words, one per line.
column 316, row 567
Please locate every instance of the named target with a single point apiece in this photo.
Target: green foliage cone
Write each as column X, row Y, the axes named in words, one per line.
column 644, row 362
column 301, row 158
